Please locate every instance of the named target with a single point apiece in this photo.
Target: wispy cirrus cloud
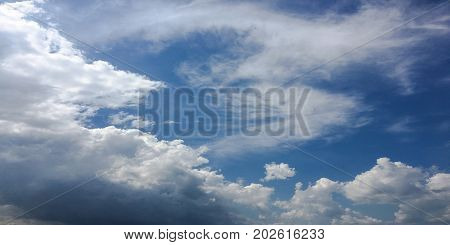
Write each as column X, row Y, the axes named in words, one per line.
column 265, row 46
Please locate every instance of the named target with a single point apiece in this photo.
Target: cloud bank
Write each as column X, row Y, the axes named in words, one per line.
column 49, row 90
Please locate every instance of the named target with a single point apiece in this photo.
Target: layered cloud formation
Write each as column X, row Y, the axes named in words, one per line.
column 54, row 168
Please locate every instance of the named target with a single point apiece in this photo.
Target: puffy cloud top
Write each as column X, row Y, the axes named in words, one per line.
column 278, row 171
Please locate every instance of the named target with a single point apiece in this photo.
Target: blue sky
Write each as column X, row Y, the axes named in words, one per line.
column 387, row 99
column 422, row 142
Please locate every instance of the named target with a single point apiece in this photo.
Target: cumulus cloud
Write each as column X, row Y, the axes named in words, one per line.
column 48, row 91
column 420, row 197
column 386, row 180
column 315, row 205
column 279, row 171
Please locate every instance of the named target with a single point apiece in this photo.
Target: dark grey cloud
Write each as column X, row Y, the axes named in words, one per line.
column 100, row 202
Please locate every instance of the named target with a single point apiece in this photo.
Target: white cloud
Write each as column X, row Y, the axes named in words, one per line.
column 253, row 194
column 315, row 205
column 267, row 44
column 439, row 182
column 47, row 87
column 434, row 203
column 386, row 180
column 350, row 217
column 48, row 90
column 276, row 171
column 420, row 198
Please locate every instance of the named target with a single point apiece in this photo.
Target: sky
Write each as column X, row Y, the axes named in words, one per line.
column 74, row 149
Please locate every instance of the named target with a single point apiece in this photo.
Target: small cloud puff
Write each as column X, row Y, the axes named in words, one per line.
column 280, row 171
